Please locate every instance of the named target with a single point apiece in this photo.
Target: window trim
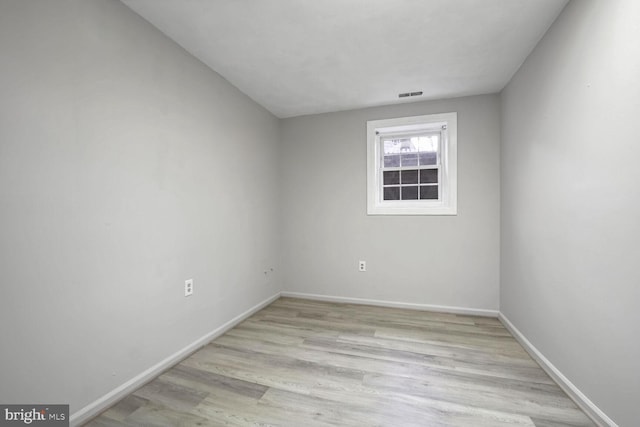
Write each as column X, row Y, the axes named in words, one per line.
column 447, row 204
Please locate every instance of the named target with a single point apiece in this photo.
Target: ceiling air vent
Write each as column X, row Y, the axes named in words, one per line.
column 406, row 94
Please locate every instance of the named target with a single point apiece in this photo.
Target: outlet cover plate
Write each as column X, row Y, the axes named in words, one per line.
column 188, row 287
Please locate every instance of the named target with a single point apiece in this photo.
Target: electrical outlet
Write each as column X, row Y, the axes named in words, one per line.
column 188, row 287
column 362, row 266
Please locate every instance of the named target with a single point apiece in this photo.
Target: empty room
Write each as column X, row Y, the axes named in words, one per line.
column 320, row 213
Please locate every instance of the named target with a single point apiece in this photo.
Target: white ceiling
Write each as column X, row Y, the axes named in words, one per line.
column 297, row 57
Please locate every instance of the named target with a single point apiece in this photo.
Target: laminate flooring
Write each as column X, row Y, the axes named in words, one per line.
column 310, row 363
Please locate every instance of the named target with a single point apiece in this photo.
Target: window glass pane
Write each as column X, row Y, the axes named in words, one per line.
column 409, row 159
column 414, row 144
column 429, row 192
column 409, row 193
column 391, row 193
column 391, row 161
column 388, row 146
column 428, row 159
column 391, row 177
column 410, row 176
column 426, row 144
column 428, row 176
column 396, row 146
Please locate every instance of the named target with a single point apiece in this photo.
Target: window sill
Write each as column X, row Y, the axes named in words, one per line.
column 411, row 209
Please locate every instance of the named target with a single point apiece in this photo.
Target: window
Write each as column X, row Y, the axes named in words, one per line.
column 411, row 165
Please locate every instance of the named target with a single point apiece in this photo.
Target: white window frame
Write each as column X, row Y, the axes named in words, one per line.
column 446, row 204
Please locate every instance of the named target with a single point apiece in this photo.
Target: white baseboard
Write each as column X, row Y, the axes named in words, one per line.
column 396, row 304
column 572, row 391
column 99, row 405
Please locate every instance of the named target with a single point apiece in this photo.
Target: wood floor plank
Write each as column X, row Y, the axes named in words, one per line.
column 208, row 381
column 124, row 408
column 529, row 403
column 235, row 339
column 421, row 411
column 473, row 355
column 155, row 414
column 171, row 395
column 539, row 422
column 533, row 374
column 319, row 364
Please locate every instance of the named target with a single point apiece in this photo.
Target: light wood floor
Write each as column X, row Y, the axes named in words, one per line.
column 309, row 363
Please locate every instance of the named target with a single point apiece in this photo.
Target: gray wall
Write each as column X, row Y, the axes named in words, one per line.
column 571, row 204
column 126, row 167
column 443, row 260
